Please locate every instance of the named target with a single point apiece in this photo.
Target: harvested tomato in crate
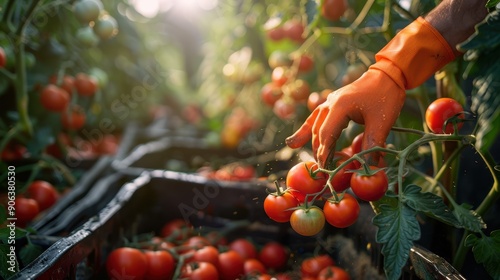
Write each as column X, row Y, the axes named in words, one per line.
column 204, row 210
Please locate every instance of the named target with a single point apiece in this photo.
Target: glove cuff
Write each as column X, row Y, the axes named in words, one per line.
column 414, row 54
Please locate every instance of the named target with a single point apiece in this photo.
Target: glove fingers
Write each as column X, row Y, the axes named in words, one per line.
column 328, row 134
column 304, row 133
column 318, row 124
column 375, row 135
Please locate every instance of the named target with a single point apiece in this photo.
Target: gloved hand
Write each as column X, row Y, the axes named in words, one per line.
column 376, row 98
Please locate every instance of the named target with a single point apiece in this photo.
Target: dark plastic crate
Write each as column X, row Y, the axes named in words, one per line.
column 146, row 203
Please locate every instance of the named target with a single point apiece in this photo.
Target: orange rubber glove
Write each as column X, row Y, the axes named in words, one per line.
column 376, row 98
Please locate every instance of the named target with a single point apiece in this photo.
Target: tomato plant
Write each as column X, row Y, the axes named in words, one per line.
column 303, row 179
column 342, row 213
column 127, row 261
column 307, row 221
column 370, row 186
column 440, row 111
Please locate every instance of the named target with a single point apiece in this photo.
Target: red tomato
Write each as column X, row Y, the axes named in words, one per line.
column 307, row 222
column 244, row 247
column 370, row 187
column 13, row 151
column 208, row 254
column 333, row 9
column 196, row 242
column 279, row 75
column 353, row 72
column 54, row 98
column 342, row 179
column 230, row 265
column 284, row 109
column 317, row 98
column 276, row 33
column 67, row 83
column 270, row 93
column 200, row 271
column 294, row 30
column 26, row 210
column 126, row 262
column 278, row 206
column 357, row 143
column 74, row 118
column 108, row 145
column 85, row 85
column 343, row 213
column 160, row 265
column 44, row 193
column 177, row 228
column 439, row 111
column 312, row 266
column 302, row 180
column 253, row 266
column 305, row 62
column 299, row 90
column 273, row 255
column 333, row 273
column 3, row 58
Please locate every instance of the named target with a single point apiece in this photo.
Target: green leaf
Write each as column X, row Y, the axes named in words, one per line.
column 29, row 253
column 487, row 35
column 492, row 3
column 429, row 204
column 483, row 53
column 468, row 218
column 486, row 251
column 397, row 229
column 5, row 233
column 7, row 268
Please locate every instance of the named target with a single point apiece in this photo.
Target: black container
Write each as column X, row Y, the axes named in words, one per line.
column 149, row 201
column 77, row 192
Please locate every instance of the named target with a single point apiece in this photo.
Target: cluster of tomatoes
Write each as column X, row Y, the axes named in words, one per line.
column 286, row 88
column 98, row 24
column 236, row 127
column 181, row 253
column 235, row 171
column 80, row 148
column 306, row 185
column 57, row 94
column 39, row 196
